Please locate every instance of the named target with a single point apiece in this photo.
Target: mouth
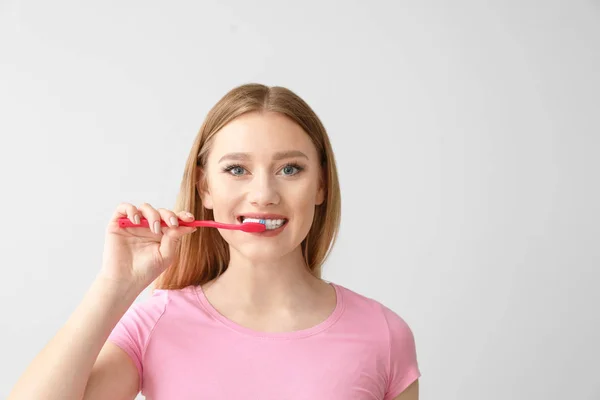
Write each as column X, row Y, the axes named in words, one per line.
column 270, row 222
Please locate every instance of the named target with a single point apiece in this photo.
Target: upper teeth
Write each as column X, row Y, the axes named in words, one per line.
column 270, row 223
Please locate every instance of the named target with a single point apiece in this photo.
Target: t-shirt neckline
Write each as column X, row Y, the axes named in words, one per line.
column 302, row 333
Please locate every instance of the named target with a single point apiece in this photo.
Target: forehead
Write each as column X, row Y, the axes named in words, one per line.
column 262, row 134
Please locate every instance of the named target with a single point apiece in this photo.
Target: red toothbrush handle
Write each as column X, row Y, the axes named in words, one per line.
column 126, row 223
column 247, row 227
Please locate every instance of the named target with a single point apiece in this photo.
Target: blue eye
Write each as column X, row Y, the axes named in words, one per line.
column 240, row 170
column 288, row 170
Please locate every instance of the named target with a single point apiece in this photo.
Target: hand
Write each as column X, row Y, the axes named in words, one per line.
column 137, row 256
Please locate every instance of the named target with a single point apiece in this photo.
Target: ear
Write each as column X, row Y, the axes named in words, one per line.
column 202, row 189
column 320, row 198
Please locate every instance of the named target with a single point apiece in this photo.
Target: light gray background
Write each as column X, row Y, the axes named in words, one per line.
column 466, row 134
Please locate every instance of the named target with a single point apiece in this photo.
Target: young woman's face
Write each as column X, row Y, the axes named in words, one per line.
column 263, row 165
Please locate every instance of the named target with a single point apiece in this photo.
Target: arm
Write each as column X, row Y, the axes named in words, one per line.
column 410, row 393
column 114, row 376
column 403, row 365
column 63, row 367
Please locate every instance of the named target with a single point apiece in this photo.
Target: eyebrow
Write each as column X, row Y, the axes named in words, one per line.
column 277, row 156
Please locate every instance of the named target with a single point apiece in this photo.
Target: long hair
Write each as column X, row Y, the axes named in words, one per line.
column 204, row 255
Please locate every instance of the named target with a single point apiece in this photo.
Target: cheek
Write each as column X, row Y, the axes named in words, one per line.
column 225, row 197
column 302, row 201
column 304, row 192
column 225, row 187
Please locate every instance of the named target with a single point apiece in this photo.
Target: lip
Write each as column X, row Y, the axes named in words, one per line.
column 266, row 233
column 270, row 233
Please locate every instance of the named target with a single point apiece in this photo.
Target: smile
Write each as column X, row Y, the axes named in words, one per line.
column 269, row 223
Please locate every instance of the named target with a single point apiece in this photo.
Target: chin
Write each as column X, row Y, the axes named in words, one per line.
column 261, row 253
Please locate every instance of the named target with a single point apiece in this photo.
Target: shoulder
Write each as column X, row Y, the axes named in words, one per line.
column 370, row 308
column 150, row 308
column 390, row 327
column 139, row 323
column 140, row 319
column 143, row 315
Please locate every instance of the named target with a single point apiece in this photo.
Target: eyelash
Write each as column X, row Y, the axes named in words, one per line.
column 229, row 167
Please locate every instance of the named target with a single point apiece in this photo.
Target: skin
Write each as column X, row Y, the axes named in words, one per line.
column 266, row 286
column 410, row 393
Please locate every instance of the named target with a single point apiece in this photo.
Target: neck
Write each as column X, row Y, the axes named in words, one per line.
column 268, row 284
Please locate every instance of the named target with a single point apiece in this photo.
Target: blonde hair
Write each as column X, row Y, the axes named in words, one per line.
column 204, row 255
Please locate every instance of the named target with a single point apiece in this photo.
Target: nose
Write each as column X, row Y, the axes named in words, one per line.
column 263, row 191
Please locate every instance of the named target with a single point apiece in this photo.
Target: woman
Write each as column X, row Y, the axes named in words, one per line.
column 234, row 314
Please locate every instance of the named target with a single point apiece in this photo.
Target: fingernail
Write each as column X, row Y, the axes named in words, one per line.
column 174, row 221
column 136, row 218
column 157, row 227
column 189, row 215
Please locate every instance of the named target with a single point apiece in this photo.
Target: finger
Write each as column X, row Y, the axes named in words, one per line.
column 126, row 210
column 186, row 216
column 171, row 239
column 153, row 217
column 169, row 217
column 175, row 233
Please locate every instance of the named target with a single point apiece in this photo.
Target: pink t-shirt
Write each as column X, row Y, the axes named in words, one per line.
column 185, row 349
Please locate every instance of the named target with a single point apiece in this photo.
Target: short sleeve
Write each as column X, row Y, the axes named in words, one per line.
column 134, row 329
column 403, row 365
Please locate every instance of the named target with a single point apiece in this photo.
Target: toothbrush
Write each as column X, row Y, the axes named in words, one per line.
column 246, row 227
